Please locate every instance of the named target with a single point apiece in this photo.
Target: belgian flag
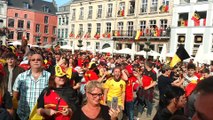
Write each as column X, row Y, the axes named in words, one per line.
column 180, row 55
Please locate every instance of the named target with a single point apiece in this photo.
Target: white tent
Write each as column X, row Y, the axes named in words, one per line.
column 109, row 49
column 200, row 55
column 141, row 53
column 163, row 53
column 15, row 43
column 68, row 47
column 125, row 51
column 153, row 53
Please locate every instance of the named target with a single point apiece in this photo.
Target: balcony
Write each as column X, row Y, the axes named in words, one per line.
column 153, row 9
column 152, row 33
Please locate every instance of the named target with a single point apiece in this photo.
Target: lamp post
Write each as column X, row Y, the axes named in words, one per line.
column 147, row 46
column 80, row 44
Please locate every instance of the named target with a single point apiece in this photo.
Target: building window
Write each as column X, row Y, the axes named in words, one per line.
column 142, row 25
column 19, row 35
column 59, row 32
column 154, row 6
column 62, row 33
column 81, row 28
column 130, row 28
column 121, row 10
column 63, row 21
column 81, row 16
column 54, row 30
column 128, row 46
column 183, row 19
column 201, row 0
column 73, row 14
column 109, row 11
column 46, row 9
column 198, row 40
column 28, row 36
column 144, row 6
column 37, row 28
column 98, row 28
column 11, row 35
column 90, row 12
column 16, row 14
column 120, row 26
column 88, row 44
column 59, row 21
column 26, row 5
column 46, row 29
column 99, row 11
column 66, row 33
column 11, row 23
column 73, row 28
column 97, row 45
column 28, row 24
column 131, row 10
column 37, row 39
column 45, row 40
column 67, row 20
column 118, row 46
column 108, row 29
column 165, row 2
column 20, row 23
column 163, row 24
column 152, row 23
column 46, row 19
column 25, row 15
column 89, row 27
column 1, row 8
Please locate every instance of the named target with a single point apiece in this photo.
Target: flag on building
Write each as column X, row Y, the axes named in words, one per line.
column 87, row 35
column 183, row 23
column 71, row 34
column 164, row 8
column 157, row 32
column 180, row 55
column 108, row 35
column 196, row 18
column 138, row 35
column 117, row 33
column 97, row 35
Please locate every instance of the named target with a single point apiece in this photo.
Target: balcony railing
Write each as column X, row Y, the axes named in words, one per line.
column 109, row 14
column 73, row 18
column 143, row 33
column 81, row 17
column 90, row 16
column 143, row 10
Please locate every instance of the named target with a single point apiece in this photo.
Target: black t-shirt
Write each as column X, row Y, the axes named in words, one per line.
column 165, row 114
column 7, row 101
column 163, row 82
column 103, row 115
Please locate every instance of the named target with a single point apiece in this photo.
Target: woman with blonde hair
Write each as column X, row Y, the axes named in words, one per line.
column 93, row 110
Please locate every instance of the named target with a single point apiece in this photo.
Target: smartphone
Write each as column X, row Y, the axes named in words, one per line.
column 114, row 103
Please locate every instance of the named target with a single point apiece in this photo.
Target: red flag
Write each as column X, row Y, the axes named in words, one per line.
column 108, row 35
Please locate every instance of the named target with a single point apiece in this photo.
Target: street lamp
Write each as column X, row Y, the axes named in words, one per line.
column 80, row 44
column 147, row 47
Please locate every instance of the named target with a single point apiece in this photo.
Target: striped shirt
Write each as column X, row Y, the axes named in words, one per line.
column 29, row 90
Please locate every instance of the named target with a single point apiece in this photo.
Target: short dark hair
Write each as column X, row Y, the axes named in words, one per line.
column 205, row 70
column 149, row 64
column 205, row 86
column 191, row 66
column 10, row 55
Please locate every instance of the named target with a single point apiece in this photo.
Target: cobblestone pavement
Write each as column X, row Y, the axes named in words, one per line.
column 155, row 106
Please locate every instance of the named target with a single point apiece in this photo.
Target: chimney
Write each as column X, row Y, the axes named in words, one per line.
column 31, row 2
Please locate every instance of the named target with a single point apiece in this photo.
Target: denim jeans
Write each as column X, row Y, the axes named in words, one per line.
column 129, row 108
column 146, row 103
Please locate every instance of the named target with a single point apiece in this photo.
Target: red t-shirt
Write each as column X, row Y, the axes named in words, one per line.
column 129, row 88
column 148, row 78
column 51, row 101
column 90, row 75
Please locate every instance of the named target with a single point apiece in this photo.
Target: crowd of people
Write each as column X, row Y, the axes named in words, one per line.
column 51, row 84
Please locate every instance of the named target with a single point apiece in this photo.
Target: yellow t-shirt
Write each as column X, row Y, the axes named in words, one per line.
column 115, row 90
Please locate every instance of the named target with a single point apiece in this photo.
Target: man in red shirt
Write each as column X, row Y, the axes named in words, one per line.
column 148, row 82
column 129, row 101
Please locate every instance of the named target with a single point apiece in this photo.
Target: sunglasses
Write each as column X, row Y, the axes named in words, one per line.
column 36, row 59
column 96, row 94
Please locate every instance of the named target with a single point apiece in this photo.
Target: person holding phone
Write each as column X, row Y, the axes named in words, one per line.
column 115, row 87
column 93, row 110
